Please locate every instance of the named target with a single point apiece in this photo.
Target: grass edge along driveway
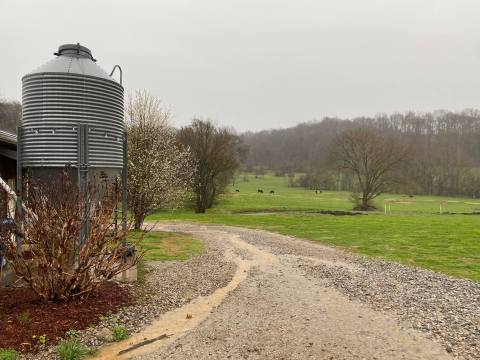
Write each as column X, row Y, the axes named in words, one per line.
column 166, row 246
column 449, row 244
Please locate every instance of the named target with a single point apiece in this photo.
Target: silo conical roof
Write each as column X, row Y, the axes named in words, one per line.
column 73, row 59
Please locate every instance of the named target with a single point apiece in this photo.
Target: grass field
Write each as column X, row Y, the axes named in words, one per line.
column 161, row 245
column 413, row 231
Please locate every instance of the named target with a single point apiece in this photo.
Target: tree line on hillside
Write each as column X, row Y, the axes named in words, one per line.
column 445, row 156
column 10, row 115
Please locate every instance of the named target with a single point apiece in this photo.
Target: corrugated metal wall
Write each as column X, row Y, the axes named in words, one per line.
column 53, row 106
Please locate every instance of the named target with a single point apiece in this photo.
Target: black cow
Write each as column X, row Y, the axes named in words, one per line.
column 260, row 191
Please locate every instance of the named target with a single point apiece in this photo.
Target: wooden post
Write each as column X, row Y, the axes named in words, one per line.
column 19, row 185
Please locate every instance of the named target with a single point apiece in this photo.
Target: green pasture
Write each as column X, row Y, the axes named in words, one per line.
column 161, row 245
column 298, row 199
column 412, row 232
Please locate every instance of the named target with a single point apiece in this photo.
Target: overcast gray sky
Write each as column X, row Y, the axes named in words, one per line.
column 256, row 64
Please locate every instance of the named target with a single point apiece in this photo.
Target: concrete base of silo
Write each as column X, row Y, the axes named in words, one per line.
column 127, row 276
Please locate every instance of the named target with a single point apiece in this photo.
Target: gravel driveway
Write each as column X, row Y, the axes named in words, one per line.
column 299, row 300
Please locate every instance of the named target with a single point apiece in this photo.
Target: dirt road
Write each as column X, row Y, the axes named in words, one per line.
column 293, row 299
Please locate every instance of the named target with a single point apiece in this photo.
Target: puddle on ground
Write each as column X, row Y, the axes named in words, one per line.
column 178, row 322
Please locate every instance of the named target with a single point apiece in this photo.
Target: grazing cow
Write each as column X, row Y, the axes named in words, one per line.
column 260, row 191
column 236, row 190
column 272, row 192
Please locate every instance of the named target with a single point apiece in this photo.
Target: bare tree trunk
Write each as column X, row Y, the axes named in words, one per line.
column 139, row 219
column 365, row 205
column 211, row 197
column 200, row 206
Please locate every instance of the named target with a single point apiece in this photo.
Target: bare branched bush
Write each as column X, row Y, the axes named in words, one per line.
column 59, row 260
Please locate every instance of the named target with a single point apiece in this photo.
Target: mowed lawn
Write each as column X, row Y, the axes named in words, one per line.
column 162, row 245
column 413, row 231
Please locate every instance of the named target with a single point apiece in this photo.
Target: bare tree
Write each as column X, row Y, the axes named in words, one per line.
column 372, row 158
column 215, row 152
column 159, row 169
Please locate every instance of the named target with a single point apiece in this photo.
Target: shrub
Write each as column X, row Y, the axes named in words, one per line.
column 59, row 263
column 119, row 333
column 24, row 318
column 71, row 350
column 105, row 318
column 9, row 354
column 72, row 334
column 41, row 339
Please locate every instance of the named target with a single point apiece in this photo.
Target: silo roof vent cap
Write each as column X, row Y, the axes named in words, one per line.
column 76, row 50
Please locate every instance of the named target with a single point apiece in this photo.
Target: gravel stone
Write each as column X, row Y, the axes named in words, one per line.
column 168, row 285
column 397, row 311
column 312, row 302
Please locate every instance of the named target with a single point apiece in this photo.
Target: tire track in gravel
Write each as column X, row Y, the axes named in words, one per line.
column 174, row 324
column 280, row 311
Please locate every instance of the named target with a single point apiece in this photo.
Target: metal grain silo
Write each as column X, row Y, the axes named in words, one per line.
column 72, row 115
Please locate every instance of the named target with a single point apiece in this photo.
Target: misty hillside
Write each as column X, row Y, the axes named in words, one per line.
column 296, row 149
column 10, row 114
column 445, row 145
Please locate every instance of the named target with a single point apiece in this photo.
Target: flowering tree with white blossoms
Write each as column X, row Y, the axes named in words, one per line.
column 159, row 168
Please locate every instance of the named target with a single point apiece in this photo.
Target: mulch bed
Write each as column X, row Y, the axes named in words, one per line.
column 23, row 315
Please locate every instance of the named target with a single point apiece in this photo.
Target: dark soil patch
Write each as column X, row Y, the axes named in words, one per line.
column 337, row 212
column 323, row 212
column 367, row 207
column 460, row 213
column 23, row 315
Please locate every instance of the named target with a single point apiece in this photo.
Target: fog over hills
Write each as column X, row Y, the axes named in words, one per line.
column 445, row 147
